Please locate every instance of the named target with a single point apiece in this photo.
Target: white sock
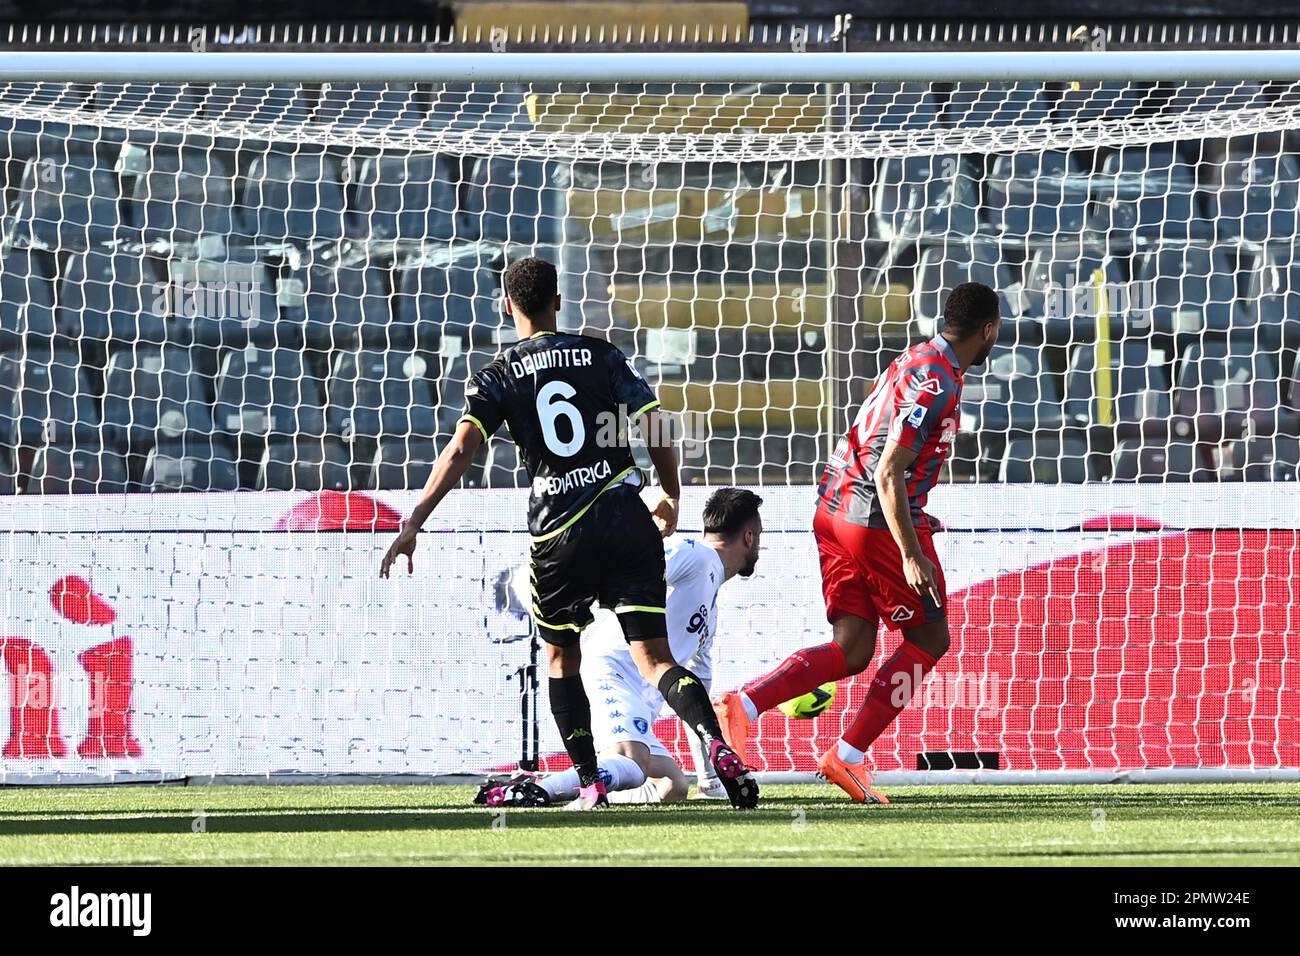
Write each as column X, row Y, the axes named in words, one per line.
column 748, row 704
column 562, row 785
column 850, row 754
column 648, row 792
column 624, row 774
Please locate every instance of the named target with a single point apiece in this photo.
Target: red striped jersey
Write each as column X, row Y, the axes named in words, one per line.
column 914, row 403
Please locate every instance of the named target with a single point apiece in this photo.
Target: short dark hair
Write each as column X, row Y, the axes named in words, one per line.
column 968, row 308
column 728, row 510
column 531, row 285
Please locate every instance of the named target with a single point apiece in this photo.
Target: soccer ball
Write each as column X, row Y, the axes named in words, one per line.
column 810, row 704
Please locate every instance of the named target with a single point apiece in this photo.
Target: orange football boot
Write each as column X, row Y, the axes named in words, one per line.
column 853, row 778
column 735, row 723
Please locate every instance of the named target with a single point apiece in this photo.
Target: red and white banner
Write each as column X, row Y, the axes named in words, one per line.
column 1095, row 628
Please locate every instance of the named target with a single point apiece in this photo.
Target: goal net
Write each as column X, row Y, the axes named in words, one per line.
column 237, row 320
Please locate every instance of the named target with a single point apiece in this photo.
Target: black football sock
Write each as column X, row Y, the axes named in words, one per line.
column 572, row 713
column 686, row 695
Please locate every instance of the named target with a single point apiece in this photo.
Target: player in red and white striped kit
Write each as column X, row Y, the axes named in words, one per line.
column 875, row 546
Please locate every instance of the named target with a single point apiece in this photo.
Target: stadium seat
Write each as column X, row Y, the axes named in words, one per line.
column 1273, row 292
column 294, row 196
column 1271, row 458
column 187, row 192
column 402, row 464
column 375, row 393
column 997, row 104
column 1254, row 195
column 153, row 394
column 190, row 462
column 1140, row 388
column 305, row 464
column 512, row 200
column 267, row 396
column 1154, row 461
column 925, row 196
column 461, row 301
column 1046, row 458
column 889, row 107
column 225, row 303
column 941, row 267
column 68, row 199
column 77, row 470
column 26, row 298
column 117, row 297
column 45, row 398
column 1194, row 290
column 1036, row 195
column 1148, row 192
column 1012, row 391
column 404, row 197
column 278, row 104
column 1226, row 389
column 1089, row 102
column 337, row 304
column 1060, row 294
column 350, row 107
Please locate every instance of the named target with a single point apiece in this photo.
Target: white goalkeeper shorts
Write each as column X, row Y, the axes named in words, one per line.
column 623, row 705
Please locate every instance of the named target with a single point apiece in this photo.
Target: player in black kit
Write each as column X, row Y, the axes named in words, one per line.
column 564, row 398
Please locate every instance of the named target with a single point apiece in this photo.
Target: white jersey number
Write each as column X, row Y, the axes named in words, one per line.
column 551, row 406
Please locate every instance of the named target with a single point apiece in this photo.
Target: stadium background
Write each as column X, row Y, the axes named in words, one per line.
column 112, row 367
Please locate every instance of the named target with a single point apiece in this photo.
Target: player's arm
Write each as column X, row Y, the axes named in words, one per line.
column 891, row 486
column 457, row 455
column 663, row 452
column 926, row 397
column 633, row 392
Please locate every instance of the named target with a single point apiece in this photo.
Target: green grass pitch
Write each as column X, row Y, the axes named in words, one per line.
column 1229, row 824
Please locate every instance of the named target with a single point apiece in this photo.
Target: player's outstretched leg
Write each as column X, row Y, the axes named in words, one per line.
column 891, row 690
column 805, row 670
column 615, row 773
column 572, row 712
column 686, row 695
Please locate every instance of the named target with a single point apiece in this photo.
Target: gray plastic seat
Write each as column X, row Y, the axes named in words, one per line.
column 296, row 196
column 461, row 301
column 190, row 463
column 1046, row 458
column 26, row 298
column 76, row 470
column 376, row 393
column 116, row 297
column 925, row 196
column 305, row 464
column 68, row 199
column 264, row 396
column 1227, row 389
column 45, row 398
column 1059, row 292
column 512, row 200
column 1012, row 392
column 404, row 197
column 225, row 303
column 185, row 194
column 1195, row 290
column 1273, row 292
column 1036, row 195
column 1149, row 192
column 402, row 464
column 1142, row 400
column 942, row 267
column 153, row 394
column 1154, row 461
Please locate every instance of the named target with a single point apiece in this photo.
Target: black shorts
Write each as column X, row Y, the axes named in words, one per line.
column 613, row 554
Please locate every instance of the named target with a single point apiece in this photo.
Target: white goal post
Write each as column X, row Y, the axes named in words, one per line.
column 241, row 295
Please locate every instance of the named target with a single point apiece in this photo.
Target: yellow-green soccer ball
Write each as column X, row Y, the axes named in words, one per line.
column 810, row 704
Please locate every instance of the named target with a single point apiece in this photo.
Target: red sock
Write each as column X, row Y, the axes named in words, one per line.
column 891, row 689
column 799, row 673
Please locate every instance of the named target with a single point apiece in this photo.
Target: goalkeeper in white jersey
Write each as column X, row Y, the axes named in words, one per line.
column 634, row 764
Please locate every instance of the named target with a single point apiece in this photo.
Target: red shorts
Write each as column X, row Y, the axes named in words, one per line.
column 862, row 574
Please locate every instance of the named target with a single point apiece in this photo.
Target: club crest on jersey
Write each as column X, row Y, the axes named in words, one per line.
column 902, row 614
column 640, row 724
